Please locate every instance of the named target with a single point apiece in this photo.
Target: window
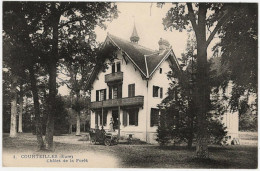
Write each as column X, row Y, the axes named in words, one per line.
column 131, row 90
column 157, row 91
column 96, row 119
column 133, row 116
column 154, row 117
column 116, row 67
column 124, row 117
column 113, row 68
column 160, row 70
column 101, row 95
column 104, row 118
column 115, row 91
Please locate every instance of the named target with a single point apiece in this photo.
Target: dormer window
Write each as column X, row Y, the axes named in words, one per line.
column 116, row 67
column 113, row 68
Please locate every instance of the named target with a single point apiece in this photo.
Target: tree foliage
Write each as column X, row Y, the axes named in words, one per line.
column 238, row 49
column 45, row 32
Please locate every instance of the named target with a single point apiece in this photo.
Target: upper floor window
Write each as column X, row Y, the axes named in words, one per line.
column 116, row 67
column 154, row 117
column 160, row 70
column 157, row 91
column 115, row 91
column 101, row 95
column 131, row 90
column 113, row 68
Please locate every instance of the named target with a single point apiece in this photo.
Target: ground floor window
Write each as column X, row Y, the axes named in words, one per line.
column 154, row 117
column 133, row 116
column 104, row 118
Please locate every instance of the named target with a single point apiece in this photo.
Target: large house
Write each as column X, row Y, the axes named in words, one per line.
column 128, row 91
column 125, row 96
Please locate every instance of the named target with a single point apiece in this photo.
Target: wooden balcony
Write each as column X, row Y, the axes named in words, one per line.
column 113, row 77
column 122, row 102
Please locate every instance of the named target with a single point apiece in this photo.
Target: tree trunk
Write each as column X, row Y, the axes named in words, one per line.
column 13, row 124
column 38, row 124
column 202, row 85
column 51, row 107
column 78, row 124
column 52, row 80
column 20, row 127
column 191, row 129
column 70, row 129
column 78, row 116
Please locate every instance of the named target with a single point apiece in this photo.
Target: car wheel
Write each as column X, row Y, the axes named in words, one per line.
column 93, row 141
column 107, row 142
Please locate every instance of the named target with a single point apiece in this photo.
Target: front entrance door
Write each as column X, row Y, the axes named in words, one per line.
column 115, row 119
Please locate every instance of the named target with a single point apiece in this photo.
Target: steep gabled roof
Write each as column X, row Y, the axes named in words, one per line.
column 144, row 59
column 134, row 51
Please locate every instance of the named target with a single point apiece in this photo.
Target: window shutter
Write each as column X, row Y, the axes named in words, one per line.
column 113, row 68
column 96, row 119
column 105, row 118
column 133, row 90
column 136, row 117
column 161, row 92
column 97, row 95
column 110, row 92
column 129, row 90
column 100, row 118
column 124, row 118
column 119, row 91
column 152, row 117
column 118, row 67
column 153, row 91
column 105, row 94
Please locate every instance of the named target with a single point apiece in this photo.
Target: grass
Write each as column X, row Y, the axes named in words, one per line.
column 141, row 156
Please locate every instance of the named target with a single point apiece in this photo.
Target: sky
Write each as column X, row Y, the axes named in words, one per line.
column 148, row 23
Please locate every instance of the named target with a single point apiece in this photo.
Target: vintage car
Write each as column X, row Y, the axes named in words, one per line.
column 102, row 137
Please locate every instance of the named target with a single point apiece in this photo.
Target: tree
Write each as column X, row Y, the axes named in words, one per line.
column 47, row 26
column 77, row 70
column 237, row 48
column 201, row 16
column 178, row 119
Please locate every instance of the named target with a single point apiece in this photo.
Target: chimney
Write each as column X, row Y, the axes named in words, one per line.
column 163, row 45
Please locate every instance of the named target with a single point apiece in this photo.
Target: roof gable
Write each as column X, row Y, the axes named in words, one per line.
column 144, row 59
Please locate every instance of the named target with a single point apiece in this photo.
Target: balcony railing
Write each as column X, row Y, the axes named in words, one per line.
column 117, row 76
column 123, row 102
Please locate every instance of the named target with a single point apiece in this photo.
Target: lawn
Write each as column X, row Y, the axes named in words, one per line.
column 133, row 156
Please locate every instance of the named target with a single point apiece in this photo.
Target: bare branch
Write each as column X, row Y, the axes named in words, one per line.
column 221, row 22
column 65, row 82
column 192, row 16
column 71, row 21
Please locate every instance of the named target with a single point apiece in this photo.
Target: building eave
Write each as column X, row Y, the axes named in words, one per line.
column 127, row 56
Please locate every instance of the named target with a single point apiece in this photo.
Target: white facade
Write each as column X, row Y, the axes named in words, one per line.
column 230, row 119
column 143, row 87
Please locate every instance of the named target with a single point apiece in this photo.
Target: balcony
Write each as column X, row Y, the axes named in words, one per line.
column 113, row 77
column 122, row 102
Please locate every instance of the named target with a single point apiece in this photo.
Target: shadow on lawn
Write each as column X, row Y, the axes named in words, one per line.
column 209, row 163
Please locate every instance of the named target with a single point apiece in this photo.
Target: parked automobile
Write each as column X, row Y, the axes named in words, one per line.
column 102, row 137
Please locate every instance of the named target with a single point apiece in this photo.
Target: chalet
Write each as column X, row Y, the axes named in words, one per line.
column 128, row 91
column 125, row 96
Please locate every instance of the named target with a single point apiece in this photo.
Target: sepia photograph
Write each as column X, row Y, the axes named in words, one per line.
column 130, row 84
